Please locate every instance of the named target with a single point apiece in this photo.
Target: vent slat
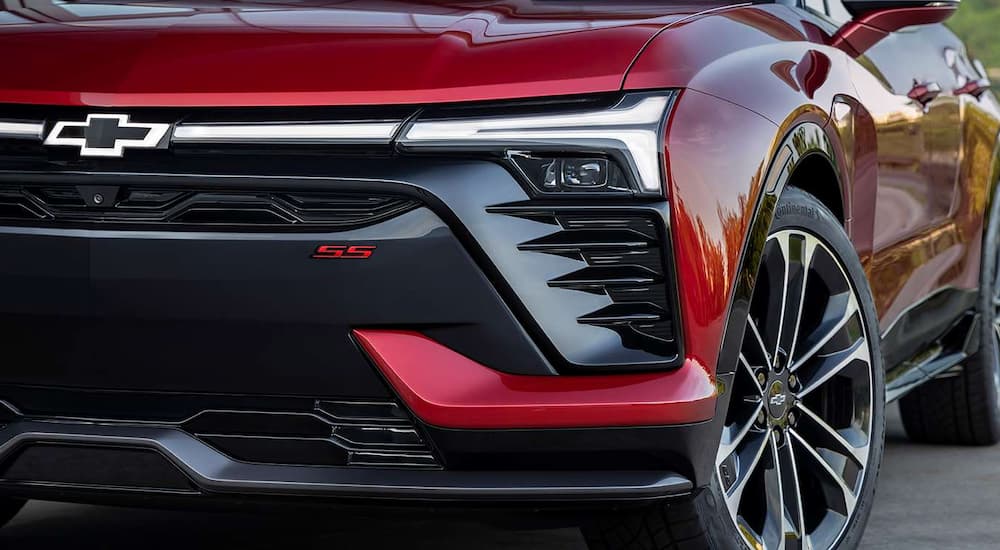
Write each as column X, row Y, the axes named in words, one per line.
column 608, row 276
column 588, row 239
column 622, row 255
column 617, row 314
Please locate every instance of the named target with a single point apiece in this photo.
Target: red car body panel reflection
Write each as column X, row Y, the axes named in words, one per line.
column 760, row 67
column 911, row 199
column 382, row 55
column 446, row 389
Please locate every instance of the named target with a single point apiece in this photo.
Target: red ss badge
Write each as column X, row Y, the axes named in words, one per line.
column 343, row 252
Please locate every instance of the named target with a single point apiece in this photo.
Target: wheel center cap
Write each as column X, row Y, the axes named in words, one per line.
column 777, row 399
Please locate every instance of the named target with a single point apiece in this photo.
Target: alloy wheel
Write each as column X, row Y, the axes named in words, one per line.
column 795, row 446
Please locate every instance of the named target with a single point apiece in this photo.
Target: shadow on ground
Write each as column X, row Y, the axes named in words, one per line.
column 64, row 526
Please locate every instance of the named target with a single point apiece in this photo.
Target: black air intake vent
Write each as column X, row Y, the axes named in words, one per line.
column 204, row 209
column 622, row 257
column 336, row 433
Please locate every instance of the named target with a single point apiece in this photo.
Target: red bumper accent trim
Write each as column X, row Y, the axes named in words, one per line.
column 444, row 388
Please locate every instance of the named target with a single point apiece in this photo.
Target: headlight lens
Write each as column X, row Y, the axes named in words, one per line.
column 615, row 149
column 563, row 174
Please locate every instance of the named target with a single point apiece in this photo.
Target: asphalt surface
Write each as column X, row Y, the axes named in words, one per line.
column 929, row 497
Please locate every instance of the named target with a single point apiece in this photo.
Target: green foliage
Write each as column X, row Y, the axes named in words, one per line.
column 978, row 24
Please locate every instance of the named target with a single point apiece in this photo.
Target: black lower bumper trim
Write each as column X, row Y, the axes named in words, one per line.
column 213, row 472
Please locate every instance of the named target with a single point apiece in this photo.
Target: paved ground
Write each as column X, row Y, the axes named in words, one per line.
column 929, row 497
column 935, row 497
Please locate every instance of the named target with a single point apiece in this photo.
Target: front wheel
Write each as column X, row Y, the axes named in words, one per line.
column 804, row 431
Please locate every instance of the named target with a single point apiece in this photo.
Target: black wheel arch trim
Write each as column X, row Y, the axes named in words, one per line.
column 803, row 140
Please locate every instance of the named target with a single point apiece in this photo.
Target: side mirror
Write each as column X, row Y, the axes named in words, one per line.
column 875, row 19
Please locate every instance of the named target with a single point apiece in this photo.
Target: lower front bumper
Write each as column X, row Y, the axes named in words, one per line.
column 208, row 471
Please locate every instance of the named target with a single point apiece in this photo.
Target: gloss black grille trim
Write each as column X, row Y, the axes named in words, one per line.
column 603, row 277
column 335, row 433
column 184, row 208
column 622, row 257
column 579, row 240
column 255, row 430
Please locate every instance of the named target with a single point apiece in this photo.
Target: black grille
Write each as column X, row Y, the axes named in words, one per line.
column 335, row 433
column 206, row 209
column 622, row 255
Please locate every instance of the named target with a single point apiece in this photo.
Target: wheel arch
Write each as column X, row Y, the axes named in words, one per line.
column 816, row 174
column 805, row 150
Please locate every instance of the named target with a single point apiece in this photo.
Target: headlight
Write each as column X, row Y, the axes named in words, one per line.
column 615, row 149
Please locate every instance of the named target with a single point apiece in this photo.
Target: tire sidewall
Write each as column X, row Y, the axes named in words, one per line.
column 799, row 210
column 986, row 358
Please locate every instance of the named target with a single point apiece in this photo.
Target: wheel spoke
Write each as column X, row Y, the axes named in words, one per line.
column 734, row 434
column 795, row 522
column 751, row 454
column 787, row 274
column 846, row 495
column 834, row 440
column 841, row 309
column 761, row 346
column 798, row 254
column 774, row 521
column 753, row 375
column 828, row 366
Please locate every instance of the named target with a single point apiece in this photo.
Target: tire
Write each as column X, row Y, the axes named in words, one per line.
column 9, row 507
column 837, row 371
column 963, row 408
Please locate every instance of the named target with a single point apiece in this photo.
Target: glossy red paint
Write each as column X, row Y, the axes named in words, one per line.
column 741, row 68
column 449, row 390
column 742, row 95
column 749, row 74
column 975, row 87
column 891, row 20
column 711, row 208
column 862, row 33
column 771, row 61
column 362, row 54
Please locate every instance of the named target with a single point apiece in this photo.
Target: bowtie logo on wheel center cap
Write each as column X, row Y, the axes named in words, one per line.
column 777, row 399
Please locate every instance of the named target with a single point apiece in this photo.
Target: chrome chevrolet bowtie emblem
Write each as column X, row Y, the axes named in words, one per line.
column 106, row 135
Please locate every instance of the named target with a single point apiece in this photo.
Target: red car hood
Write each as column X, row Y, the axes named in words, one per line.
column 320, row 53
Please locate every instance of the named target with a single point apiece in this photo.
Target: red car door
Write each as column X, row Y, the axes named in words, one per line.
column 919, row 132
